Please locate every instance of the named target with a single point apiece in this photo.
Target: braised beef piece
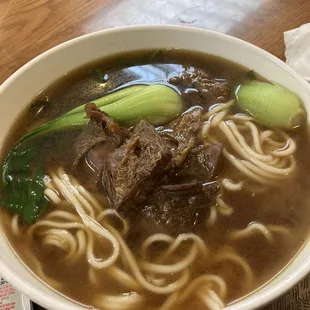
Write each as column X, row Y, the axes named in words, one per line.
column 178, row 208
column 202, row 163
column 132, row 170
column 159, row 178
column 96, row 156
column 189, row 159
column 184, row 135
column 209, row 90
column 101, row 136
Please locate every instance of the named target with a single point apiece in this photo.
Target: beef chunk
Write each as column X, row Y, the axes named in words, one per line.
column 189, row 160
column 178, row 208
column 184, row 135
column 160, row 178
column 209, row 89
column 203, row 163
column 101, row 135
column 132, row 170
column 96, row 156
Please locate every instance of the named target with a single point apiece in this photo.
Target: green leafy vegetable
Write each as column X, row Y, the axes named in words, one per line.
column 24, row 185
column 271, row 105
column 156, row 103
column 23, row 174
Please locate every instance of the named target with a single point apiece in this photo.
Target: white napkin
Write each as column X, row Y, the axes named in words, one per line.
column 297, row 53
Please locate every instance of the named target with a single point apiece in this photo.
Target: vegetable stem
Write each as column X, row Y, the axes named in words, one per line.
column 271, row 105
column 156, row 103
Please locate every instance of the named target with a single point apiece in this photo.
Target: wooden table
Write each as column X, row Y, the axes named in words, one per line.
column 30, row 27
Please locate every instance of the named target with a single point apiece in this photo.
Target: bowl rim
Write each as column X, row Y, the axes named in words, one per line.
column 255, row 299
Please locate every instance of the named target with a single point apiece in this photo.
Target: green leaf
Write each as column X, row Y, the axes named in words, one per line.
column 24, row 184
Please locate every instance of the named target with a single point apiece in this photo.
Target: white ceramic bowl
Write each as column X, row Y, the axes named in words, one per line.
column 23, row 85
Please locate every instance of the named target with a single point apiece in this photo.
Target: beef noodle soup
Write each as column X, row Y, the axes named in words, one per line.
column 158, row 180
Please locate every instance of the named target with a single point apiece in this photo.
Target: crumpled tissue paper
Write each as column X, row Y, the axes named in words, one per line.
column 297, row 53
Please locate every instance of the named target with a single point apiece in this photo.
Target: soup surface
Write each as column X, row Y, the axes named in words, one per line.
column 184, row 238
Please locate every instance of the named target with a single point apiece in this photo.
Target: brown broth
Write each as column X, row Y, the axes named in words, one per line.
column 286, row 205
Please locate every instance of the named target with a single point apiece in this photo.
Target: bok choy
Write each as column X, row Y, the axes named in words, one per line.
column 23, row 175
column 271, row 105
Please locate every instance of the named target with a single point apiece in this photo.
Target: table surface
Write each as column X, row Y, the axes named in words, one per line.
column 30, row 27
